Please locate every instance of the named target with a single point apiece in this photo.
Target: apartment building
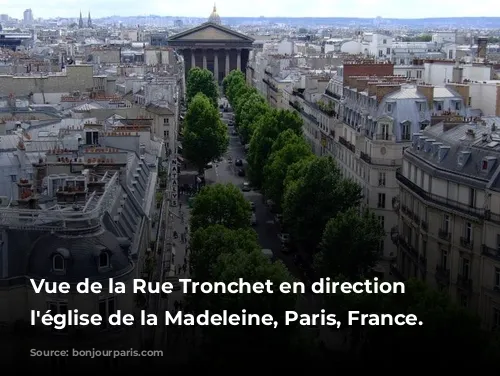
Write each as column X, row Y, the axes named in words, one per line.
column 449, row 212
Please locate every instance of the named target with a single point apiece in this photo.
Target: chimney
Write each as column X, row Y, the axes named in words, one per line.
column 428, row 92
column 457, row 75
column 482, row 47
column 385, row 89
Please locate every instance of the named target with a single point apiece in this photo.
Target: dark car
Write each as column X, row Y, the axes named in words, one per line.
column 238, row 163
column 241, row 172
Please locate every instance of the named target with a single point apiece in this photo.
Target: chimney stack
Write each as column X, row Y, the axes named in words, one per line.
column 482, row 47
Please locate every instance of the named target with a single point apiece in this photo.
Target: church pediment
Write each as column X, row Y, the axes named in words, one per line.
column 210, row 32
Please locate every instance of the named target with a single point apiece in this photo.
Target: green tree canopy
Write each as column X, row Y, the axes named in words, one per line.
column 245, row 342
column 233, row 79
column 207, row 244
column 201, row 81
column 315, row 197
column 446, row 330
column 205, row 136
column 276, row 168
column 267, row 130
column 249, row 114
column 349, row 245
column 220, row 204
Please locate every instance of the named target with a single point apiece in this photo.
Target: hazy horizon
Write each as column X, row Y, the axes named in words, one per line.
column 256, row 8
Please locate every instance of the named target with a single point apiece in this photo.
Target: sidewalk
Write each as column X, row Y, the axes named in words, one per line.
column 180, row 221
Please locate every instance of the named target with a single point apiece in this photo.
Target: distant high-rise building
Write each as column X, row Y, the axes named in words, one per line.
column 89, row 22
column 80, row 21
column 4, row 17
column 28, row 16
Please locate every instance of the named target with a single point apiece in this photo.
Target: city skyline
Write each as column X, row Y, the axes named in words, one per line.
column 256, row 8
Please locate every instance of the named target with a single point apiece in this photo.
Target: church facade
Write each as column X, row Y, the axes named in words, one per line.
column 214, row 47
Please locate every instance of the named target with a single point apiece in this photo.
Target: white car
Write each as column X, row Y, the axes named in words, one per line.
column 253, row 219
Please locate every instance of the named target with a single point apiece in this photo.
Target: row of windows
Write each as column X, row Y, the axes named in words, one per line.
column 59, row 263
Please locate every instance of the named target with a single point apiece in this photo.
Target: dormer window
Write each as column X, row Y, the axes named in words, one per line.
column 104, row 260
column 484, row 165
column 439, row 106
column 389, row 107
column 457, row 106
column 421, row 106
column 58, row 263
column 405, row 130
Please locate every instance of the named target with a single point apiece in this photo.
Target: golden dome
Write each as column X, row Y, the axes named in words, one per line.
column 214, row 16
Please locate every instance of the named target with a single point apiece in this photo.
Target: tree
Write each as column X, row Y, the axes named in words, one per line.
column 202, row 81
column 315, row 197
column 205, row 136
column 207, row 244
column 233, row 79
column 220, row 204
column 447, row 329
column 349, row 245
column 243, row 343
column 267, row 130
column 249, row 115
column 279, row 161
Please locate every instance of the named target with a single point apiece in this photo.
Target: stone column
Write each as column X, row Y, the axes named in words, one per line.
column 238, row 60
column 227, row 62
column 193, row 59
column 216, row 66
column 204, row 59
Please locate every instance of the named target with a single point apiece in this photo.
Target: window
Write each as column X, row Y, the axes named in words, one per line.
column 166, row 120
column 381, row 201
column 497, row 279
column 384, row 41
column 468, row 232
column 381, row 246
column 465, row 266
column 381, row 221
column 446, row 223
column 402, row 61
column 57, row 263
column 408, row 74
column 13, row 178
column 107, row 307
column 421, row 106
column 405, row 131
column 104, row 260
column 450, row 54
column 457, row 106
column 389, row 107
column 496, row 319
column 380, row 53
column 484, row 165
column 444, row 259
column 419, row 74
column 472, row 197
column 439, row 106
column 388, row 51
column 58, row 308
column 385, row 130
column 381, row 179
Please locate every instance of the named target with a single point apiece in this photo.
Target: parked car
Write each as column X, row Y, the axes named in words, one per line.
column 246, row 187
column 241, row 172
column 285, row 238
column 238, row 163
column 209, row 165
column 253, row 219
column 252, row 205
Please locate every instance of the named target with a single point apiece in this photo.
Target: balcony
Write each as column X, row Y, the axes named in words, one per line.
column 332, row 94
column 347, row 144
column 365, row 157
column 464, row 282
column 438, row 200
column 444, row 234
column 298, row 93
column 466, row 242
column 493, row 253
column 407, row 247
column 296, row 105
column 442, row 274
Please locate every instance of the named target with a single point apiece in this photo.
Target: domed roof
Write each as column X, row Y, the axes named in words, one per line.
column 214, row 17
column 81, row 254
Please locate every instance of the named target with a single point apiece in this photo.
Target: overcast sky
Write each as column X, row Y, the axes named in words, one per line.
column 255, row 8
